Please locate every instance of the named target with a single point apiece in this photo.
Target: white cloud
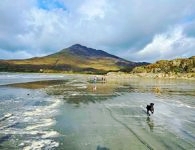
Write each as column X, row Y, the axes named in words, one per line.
column 169, row 45
column 121, row 27
column 92, row 9
column 45, row 34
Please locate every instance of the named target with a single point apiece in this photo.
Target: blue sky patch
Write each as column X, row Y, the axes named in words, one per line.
column 187, row 19
column 50, row 4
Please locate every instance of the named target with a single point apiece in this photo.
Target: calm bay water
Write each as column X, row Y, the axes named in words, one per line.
column 69, row 112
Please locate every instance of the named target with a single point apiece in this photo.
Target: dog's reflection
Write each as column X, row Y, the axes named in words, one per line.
column 102, row 148
column 150, row 123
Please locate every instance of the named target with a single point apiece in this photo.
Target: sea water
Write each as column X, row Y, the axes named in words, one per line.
column 79, row 114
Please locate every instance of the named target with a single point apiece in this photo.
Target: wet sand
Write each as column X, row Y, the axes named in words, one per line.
column 77, row 113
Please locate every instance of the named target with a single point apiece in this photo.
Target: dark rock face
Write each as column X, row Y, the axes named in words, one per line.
column 78, row 49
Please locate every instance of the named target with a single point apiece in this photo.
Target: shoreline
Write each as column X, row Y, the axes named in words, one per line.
column 122, row 75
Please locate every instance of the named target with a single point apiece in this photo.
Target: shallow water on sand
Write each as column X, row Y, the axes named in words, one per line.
column 74, row 113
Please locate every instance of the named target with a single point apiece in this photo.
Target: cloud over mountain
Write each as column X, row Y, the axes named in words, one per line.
column 130, row 29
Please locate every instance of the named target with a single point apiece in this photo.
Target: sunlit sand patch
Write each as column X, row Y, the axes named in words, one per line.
column 157, row 90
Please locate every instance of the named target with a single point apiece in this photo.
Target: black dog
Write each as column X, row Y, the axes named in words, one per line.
column 150, row 108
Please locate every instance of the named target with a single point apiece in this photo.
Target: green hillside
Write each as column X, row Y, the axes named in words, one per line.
column 76, row 58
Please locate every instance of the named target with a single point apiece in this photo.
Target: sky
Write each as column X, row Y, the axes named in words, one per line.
column 137, row 30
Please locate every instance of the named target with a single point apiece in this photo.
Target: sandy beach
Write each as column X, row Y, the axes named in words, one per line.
column 68, row 112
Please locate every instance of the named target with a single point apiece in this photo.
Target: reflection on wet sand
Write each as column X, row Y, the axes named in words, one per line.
column 108, row 115
column 94, row 88
column 102, row 148
column 86, row 92
column 150, row 123
column 5, row 138
column 37, row 84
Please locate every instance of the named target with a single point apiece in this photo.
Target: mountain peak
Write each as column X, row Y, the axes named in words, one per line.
column 78, row 49
column 77, row 46
column 76, row 58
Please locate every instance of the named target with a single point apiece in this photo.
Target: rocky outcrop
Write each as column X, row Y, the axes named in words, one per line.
column 169, row 66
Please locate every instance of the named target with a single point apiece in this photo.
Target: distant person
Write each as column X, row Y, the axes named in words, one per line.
column 104, row 79
column 150, row 108
column 95, row 79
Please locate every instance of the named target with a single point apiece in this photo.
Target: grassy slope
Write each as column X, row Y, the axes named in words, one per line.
column 59, row 60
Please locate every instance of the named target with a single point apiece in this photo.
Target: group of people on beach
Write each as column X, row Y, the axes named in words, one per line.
column 101, row 79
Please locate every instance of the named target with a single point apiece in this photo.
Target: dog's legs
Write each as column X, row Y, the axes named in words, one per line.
column 148, row 113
